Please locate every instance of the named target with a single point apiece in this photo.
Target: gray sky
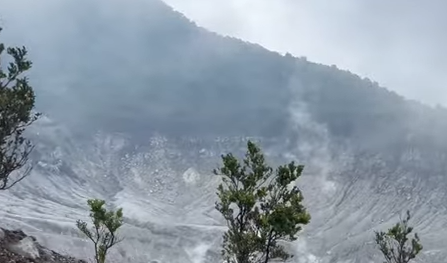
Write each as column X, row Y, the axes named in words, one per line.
column 401, row 44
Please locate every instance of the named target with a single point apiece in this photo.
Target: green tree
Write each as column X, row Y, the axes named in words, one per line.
column 16, row 113
column 395, row 244
column 262, row 207
column 105, row 225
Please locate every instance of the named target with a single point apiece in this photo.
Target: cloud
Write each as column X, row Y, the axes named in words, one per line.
column 400, row 43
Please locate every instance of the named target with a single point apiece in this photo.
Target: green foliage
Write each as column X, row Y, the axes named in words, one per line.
column 393, row 243
column 259, row 206
column 105, row 224
column 16, row 105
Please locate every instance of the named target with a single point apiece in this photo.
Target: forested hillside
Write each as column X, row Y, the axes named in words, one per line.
column 157, row 71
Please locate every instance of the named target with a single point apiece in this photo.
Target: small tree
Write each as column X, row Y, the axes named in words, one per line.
column 260, row 206
column 105, row 224
column 395, row 244
column 16, row 105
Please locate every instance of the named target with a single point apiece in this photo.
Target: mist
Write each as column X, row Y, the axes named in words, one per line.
column 401, row 44
column 158, row 100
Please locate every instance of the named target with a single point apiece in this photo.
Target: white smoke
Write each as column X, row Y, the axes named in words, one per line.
column 314, row 141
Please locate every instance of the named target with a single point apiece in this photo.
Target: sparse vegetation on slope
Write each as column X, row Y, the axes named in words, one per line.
column 262, row 207
column 16, row 113
column 396, row 245
column 191, row 82
column 104, row 231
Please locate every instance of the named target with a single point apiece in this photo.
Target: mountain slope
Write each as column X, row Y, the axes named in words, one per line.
column 141, row 103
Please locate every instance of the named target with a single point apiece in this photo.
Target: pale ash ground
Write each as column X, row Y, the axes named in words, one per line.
column 170, row 205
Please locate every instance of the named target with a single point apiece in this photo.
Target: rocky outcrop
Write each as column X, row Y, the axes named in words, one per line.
column 17, row 247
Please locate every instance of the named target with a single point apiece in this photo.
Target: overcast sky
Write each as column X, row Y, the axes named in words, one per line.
column 401, row 44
